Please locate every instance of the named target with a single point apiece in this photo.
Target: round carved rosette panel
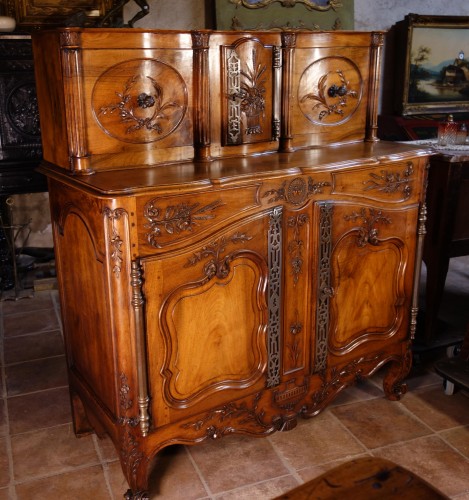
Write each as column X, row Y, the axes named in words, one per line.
column 139, row 101
column 330, row 90
column 22, row 109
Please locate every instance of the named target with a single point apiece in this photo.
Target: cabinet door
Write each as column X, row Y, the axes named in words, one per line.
column 207, row 317
column 365, row 259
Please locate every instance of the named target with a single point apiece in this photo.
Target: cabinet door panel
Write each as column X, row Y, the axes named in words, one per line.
column 207, row 320
column 227, row 325
column 366, row 258
column 367, row 284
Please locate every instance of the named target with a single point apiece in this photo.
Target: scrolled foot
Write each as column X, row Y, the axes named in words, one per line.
column 139, row 495
column 393, row 384
column 395, row 391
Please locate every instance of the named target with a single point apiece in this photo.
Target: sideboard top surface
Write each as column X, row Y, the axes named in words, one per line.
column 229, row 171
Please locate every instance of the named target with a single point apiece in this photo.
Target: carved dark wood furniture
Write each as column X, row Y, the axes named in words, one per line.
column 447, row 230
column 20, row 137
column 234, row 246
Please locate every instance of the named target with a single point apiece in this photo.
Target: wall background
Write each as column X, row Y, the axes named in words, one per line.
column 369, row 14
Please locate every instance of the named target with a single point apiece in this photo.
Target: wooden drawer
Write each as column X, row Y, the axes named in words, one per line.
column 167, row 222
column 391, row 183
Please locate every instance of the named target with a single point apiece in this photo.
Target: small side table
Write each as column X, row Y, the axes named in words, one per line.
column 447, row 228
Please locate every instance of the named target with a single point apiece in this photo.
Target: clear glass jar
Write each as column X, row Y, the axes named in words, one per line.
column 461, row 134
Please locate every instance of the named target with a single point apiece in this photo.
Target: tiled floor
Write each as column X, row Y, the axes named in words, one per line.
column 40, row 458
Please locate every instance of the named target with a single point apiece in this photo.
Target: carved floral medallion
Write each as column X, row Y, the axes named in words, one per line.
column 330, row 90
column 140, row 101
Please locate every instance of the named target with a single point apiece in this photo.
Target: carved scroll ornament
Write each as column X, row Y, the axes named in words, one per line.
column 309, row 4
column 296, row 192
column 391, row 181
column 368, row 232
column 217, row 265
column 175, row 219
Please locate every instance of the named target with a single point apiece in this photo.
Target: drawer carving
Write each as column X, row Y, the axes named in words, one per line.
column 392, row 181
column 292, row 395
column 165, row 221
column 391, row 184
column 296, row 191
column 335, row 379
column 175, row 219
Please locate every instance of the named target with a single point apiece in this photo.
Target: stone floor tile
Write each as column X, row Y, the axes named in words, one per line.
column 50, row 451
column 37, row 375
column 34, row 346
column 5, row 494
column 379, row 422
column 3, row 419
column 30, row 322
column 236, row 461
column 458, row 438
column 39, row 410
column 316, row 441
column 438, row 410
column 433, row 460
column 4, row 461
column 265, row 490
column 82, row 484
column 107, row 449
column 36, row 302
column 173, row 477
column 361, row 391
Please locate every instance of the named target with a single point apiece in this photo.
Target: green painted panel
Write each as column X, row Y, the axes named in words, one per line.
column 284, row 14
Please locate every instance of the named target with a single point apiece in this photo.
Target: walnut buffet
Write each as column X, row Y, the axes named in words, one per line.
column 234, row 245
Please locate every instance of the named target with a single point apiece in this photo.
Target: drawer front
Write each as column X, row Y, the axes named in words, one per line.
column 170, row 221
column 392, row 183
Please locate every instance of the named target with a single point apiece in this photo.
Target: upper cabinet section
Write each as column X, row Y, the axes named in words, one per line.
column 330, row 87
column 120, row 98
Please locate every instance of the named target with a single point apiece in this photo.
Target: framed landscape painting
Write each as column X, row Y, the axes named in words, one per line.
column 434, row 53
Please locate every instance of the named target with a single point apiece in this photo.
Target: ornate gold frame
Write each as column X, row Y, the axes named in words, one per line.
column 420, row 84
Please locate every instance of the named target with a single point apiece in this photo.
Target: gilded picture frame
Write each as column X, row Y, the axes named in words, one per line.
column 433, row 60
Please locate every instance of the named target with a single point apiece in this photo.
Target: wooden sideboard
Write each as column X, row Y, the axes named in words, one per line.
column 234, row 246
